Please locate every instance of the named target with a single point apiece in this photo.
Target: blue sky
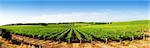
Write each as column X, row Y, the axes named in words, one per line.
column 27, row 11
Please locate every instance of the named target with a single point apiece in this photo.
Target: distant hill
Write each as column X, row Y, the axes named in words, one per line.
column 125, row 22
column 134, row 22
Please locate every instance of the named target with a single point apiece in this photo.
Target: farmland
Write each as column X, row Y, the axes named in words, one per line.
column 83, row 32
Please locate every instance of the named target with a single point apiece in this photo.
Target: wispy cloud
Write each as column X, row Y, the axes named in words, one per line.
column 71, row 17
column 103, row 16
column 62, row 17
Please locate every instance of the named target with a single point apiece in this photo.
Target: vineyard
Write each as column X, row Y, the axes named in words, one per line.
column 117, row 31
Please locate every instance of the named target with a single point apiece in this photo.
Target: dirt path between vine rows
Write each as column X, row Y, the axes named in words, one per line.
column 33, row 43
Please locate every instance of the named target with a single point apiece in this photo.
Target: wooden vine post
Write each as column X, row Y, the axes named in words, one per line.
column 68, row 40
column 106, row 40
column 21, row 45
column 120, row 40
column 44, row 39
column 91, row 40
column 40, row 46
column 143, row 34
column 29, row 44
column 132, row 38
column 80, row 41
column 59, row 40
column 144, row 37
column 32, row 46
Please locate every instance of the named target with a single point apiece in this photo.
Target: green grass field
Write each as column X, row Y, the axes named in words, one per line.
column 84, row 31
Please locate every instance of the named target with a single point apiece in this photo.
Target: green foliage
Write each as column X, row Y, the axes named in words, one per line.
column 86, row 32
column 69, row 35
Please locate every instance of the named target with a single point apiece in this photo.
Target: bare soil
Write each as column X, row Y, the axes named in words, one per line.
column 27, row 42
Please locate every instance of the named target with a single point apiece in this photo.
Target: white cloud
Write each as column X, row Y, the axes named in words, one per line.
column 71, row 17
column 107, row 15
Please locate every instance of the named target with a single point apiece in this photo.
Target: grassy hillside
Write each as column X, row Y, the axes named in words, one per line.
column 133, row 22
